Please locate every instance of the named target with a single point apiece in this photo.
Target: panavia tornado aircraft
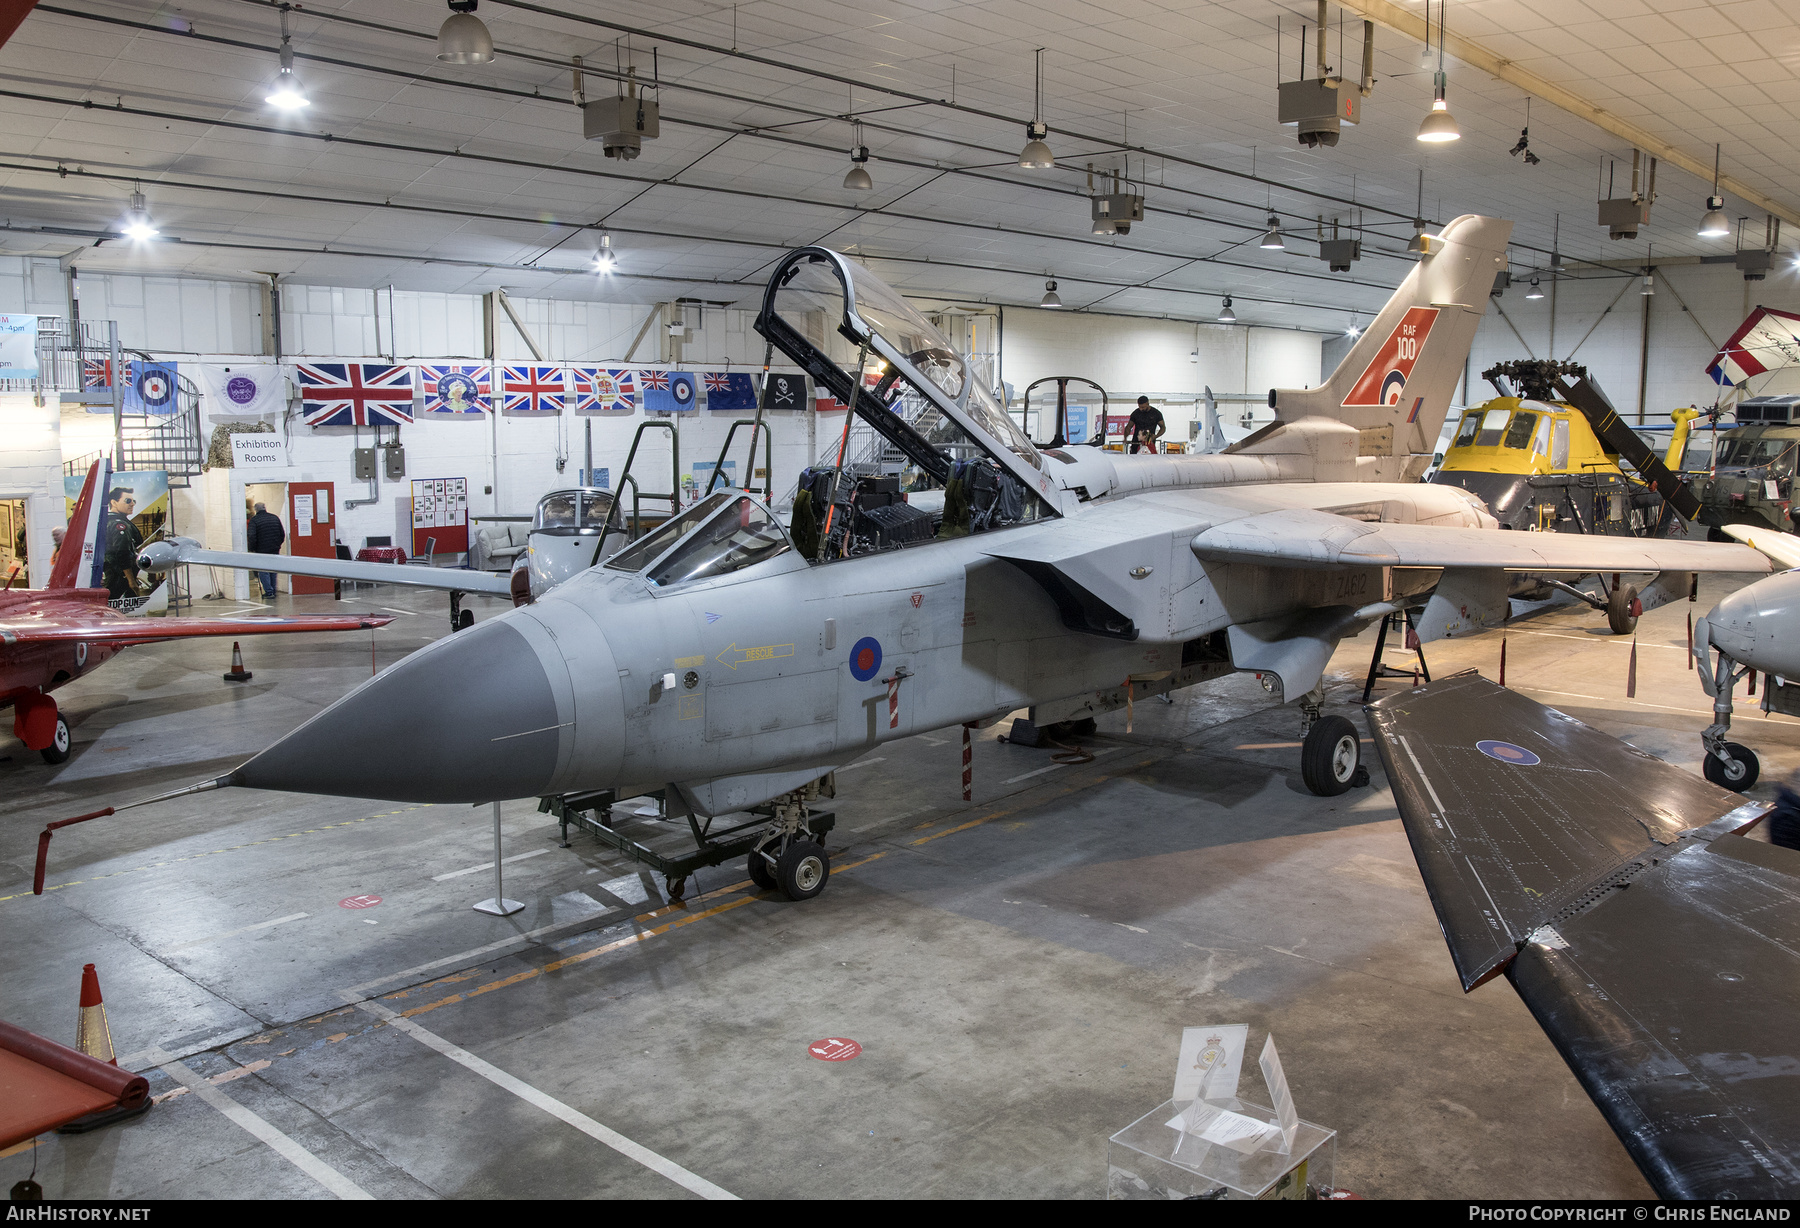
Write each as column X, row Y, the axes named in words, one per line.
column 730, row 660
column 55, row 635
column 1755, row 628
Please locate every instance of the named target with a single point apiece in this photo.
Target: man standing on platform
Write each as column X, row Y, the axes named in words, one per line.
column 265, row 535
column 1146, row 426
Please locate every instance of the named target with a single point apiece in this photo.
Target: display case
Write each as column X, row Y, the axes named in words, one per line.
column 1149, row 1159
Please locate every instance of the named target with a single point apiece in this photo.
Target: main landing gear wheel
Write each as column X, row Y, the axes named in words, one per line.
column 1331, row 756
column 801, row 870
column 1738, row 773
column 760, row 874
column 1622, row 610
column 465, row 619
column 58, row 750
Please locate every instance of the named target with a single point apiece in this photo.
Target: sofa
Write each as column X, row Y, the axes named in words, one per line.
column 497, row 545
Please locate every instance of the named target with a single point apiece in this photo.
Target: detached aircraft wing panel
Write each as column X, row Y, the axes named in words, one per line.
column 162, row 555
column 1306, row 537
column 54, row 627
column 1659, row 951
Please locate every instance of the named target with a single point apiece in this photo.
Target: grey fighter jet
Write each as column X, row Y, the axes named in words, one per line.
column 951, row 572
column 1755, row 628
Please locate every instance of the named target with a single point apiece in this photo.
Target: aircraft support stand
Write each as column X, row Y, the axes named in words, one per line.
column 499, row 906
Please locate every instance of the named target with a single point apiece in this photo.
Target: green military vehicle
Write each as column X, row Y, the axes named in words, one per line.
column 1752, row 479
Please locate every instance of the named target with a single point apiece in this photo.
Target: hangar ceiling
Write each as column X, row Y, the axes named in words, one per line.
column 409, row 172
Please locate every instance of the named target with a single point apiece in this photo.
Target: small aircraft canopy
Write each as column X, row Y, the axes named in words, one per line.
column 572, row 511
column 718, row 535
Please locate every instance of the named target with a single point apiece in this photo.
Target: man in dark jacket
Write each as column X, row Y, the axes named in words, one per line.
column 264, row 535
column 1146, row 426
column 118, row 564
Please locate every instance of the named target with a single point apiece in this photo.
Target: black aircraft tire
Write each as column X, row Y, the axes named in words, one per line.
column 1330, row 756
column 465, row 619
column 801, row 871
column 1739, row 775
column 58, row 750
column 1619, row 607
column 759, row 871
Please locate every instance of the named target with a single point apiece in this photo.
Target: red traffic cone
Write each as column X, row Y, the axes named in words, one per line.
column 238, row 672
column 92, row 1036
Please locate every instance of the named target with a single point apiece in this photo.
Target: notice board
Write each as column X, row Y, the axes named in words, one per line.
column 440, row 509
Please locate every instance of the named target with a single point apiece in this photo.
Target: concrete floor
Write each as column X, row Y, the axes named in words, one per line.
column 1017, row 971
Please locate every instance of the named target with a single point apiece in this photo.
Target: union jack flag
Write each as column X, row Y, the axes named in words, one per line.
column 532, row 390
column 355, row 393
column 657, row 381
column 599, row 390
column 459, row 391
column 96, row 372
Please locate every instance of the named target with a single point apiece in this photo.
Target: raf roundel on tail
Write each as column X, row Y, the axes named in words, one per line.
column 1383, row 380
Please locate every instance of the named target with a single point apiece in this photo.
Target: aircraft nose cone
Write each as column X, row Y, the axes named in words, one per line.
column 471, row 718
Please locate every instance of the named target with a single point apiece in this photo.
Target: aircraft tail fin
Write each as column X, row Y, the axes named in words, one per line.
column 79, row 561
column 1396, row 383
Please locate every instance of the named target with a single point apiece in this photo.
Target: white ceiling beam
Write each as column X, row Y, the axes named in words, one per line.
column 1412, row 25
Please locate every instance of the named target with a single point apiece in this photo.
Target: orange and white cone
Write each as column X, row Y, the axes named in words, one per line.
column 238, row 672
column 92, row 1036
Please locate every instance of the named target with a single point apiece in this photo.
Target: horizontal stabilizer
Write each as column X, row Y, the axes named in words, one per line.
column 1305, row 537
column 1658, row 949
column 162, row 555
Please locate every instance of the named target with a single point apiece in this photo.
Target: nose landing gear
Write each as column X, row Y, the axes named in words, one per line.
column 1729, row 765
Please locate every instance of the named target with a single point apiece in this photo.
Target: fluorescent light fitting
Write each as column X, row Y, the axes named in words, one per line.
column 1051, row 298
column 1226, row 314
column 1271, row 242
column 463, row 38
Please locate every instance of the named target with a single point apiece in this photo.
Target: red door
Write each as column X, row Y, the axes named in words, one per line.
column 312, row 519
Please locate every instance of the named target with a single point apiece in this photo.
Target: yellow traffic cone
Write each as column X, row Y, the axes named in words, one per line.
column 92, row 1036
column 238, row 672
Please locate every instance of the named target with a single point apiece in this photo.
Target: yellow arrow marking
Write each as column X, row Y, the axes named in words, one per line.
column 731, row 656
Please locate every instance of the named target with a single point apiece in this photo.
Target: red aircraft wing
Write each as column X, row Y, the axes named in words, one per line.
column 72, row 623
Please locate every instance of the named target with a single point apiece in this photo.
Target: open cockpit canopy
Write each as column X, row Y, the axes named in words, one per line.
column 932, row 423
column 722, row 533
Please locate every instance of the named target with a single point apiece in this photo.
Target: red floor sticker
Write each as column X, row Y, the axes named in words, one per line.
column 834, row 1049
column 359, row 901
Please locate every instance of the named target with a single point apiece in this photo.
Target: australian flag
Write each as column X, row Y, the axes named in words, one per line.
column 532, row 390
column 355, row 393
column 456, row 391
column 784, row 390
column 669, row 392
column 729, row 393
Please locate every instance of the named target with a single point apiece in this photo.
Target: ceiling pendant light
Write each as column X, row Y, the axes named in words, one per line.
column 1715, row 224
column 286, row 94
column 1649, row 275
column 1536, row 291
column 858, row 179
column 605, row 259
column 1036, row 155
column 1354, row 329
column 1051, row 298
column 137, row 219
column 1420, row 243
column 1437, row 125
column 1271, row 242
column 1226, row 314
column 463, row 39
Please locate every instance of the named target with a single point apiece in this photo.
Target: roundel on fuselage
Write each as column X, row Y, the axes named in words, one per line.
column 1391, row 386
column 865, row 658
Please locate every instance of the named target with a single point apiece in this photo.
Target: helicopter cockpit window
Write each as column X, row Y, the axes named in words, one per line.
column 1493, row 423
column 649, row 548
column 1471, row 425
column 1518, row 433
column 737, row 536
